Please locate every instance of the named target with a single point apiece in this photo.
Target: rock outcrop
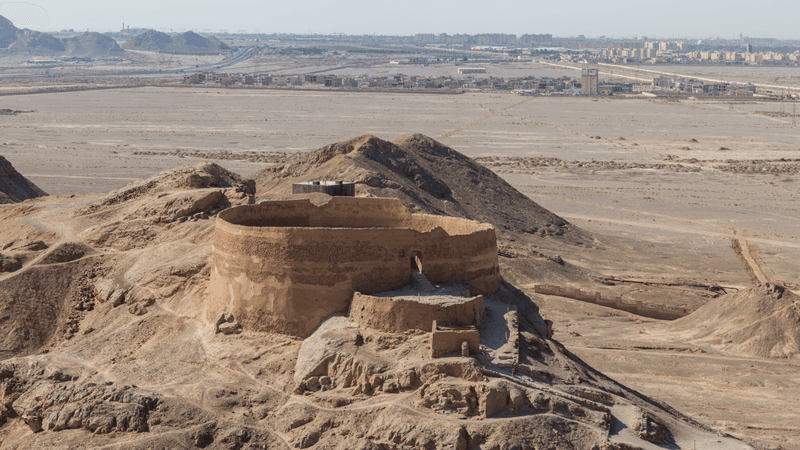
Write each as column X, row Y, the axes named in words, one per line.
column 47, row 399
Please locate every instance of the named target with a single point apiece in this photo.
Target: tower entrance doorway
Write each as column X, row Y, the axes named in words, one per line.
column 416, row 262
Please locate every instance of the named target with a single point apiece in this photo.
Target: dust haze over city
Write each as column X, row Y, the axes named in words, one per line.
column 448, row 225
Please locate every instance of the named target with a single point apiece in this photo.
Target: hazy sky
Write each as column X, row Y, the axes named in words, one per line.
column 614, row 18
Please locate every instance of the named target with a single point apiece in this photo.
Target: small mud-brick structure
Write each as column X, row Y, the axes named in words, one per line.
column 286, row 266
column 333, row 188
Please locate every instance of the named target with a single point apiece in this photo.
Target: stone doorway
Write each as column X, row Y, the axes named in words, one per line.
column 416, row 262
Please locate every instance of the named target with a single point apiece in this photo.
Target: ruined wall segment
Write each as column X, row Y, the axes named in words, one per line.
column 286, row 266
column 656, row 311
column 399, row 314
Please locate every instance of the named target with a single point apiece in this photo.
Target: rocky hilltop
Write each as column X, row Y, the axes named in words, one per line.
column 427, row 176
column 15, row 40
column 105, row 340
column 185, row 43
column 8, row 32
column 91, row 44
column 14, row 187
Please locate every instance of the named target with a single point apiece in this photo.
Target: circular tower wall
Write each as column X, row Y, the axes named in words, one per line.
column 286, row 266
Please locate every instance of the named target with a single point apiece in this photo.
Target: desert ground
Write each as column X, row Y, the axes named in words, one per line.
column 670, row 188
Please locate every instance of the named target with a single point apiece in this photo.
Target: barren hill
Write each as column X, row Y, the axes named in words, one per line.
column 191, row 42
column 188, row 43
column 105, row 340
column 150, row 40
column 14, row 187
column 760, row 321
column 8, row 32
column 91, row 44
column 424, row 174
column 15, row 40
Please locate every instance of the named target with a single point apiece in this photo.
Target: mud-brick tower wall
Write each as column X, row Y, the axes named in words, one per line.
column 287, row 266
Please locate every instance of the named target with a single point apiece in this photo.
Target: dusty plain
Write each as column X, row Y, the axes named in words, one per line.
column 659, row 180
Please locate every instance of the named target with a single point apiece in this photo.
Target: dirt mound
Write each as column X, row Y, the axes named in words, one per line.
column 15, row 188
column 426, row 175
column 188, row 43
column 92, row 45
column 759, row 321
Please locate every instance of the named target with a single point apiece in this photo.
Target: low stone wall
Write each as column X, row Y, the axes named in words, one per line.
column 395, row 315
column 657, row 311
column 286, row 266
column 446, row 340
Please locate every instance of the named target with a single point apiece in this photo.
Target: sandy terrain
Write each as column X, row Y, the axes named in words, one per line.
column 665, row 225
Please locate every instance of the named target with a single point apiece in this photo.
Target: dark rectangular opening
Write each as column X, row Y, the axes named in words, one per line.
column 416, row 263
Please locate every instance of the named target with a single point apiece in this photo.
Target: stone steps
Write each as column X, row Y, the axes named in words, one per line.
column 421, row 282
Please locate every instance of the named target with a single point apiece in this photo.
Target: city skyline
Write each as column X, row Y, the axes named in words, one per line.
column 621, row 19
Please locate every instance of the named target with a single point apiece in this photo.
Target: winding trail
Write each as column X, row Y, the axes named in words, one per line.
column 494, row 113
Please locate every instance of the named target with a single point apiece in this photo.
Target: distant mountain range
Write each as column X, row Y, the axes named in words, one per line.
column 15, row 41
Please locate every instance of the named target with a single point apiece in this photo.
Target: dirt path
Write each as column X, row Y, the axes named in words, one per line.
column 494, row 113
column 744, row 253
column 758, row 270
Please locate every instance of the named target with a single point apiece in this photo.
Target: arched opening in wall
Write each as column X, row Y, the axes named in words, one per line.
column 416, row 262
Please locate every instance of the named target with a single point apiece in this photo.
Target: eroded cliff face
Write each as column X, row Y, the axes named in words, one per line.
column 108, row 343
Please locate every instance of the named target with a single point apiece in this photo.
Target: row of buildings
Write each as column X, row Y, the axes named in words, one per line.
column 752, row 57
column 686, row 52
column 696, row 87
column 756, row 57
column 652, row 45
column 588, row 84
column 500, row 39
